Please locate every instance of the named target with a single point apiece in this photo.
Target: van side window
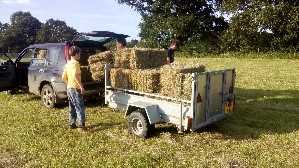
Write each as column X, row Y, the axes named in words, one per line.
column 53, row 55
column 39, row 57
column 41, row 53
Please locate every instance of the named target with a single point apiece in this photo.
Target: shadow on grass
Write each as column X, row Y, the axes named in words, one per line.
column 102, row 126
column 88, row 103
column 166, row 128
column 259, row 112
column 27, row 96
column 95, row 102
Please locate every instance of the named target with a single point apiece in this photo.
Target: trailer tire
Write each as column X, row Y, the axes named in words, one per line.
column 139, row 125
column 48, row 96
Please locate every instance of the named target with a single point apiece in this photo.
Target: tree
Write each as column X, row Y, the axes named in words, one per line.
column 3, row 28
column 267, row 25
column 22, row 32
column 133, row 43
column 55, row 31
column 189, row 21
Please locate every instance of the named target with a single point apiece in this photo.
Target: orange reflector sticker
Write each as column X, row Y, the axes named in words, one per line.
column 198, row 99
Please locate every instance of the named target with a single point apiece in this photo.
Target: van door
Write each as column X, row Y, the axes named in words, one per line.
column 22, row 63
column 42, row 67
column 7, row 77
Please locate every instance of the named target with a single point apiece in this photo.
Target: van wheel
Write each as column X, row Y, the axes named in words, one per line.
column 48, row 96
column 138, row 124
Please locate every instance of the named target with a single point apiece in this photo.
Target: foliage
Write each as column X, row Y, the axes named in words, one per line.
column 263, row 131
column 3, row 28
column 55, row 31
column 111, row 46
column 262, row 25
column 240, row 55
column 22, row 31
column 133, row 43
column 192, row 22
column 25, row 30
column 254, row 26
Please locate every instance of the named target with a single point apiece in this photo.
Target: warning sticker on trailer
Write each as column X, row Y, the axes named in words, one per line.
column 229, row 106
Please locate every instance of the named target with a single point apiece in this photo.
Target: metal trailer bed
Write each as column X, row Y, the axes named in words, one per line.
column 212, row 98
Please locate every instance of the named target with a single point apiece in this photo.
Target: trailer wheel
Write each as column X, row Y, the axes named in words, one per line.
column 139, row 124
column 48, row 96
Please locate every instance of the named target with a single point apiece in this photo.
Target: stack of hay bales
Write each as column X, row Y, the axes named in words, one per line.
column 97, row 64
column 176, row 80
column 145, row 70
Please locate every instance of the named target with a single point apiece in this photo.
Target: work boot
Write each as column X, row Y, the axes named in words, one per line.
column 82, row 129
column 73, row 126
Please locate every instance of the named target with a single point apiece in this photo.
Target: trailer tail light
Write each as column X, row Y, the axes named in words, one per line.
column 189, row 123
column 66, row 53
column 198, row 99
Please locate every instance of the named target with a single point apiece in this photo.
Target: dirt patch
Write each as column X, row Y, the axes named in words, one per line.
column 7, row 160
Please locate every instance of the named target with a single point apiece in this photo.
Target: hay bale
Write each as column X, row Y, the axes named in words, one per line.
column 186, row 67
column 136, row 79
column 176, row 80
column 145, row 58
column 121, row 58
column 119, row 78
column 145, row 80
column 139, row 58
column 97, row 64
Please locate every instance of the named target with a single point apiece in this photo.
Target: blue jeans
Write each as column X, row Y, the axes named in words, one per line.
column 76, row 107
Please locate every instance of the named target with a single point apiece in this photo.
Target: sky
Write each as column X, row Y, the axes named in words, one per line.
column 82, row 15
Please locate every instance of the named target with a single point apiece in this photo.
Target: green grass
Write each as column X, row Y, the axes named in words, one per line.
column 263, row 132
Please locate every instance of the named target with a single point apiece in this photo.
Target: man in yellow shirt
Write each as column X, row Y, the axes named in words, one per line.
column 75, row 90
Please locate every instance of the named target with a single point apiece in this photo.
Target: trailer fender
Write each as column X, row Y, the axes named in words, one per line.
column 151, row 111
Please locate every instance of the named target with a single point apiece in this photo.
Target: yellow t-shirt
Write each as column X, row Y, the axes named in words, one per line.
column 70, row 70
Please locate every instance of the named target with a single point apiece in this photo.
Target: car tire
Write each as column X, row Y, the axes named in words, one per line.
column 48, row 96
column 139, row 125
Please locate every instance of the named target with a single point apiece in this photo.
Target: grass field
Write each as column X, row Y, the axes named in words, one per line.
column 263, row 132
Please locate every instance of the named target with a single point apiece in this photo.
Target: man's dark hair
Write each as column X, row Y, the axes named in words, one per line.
column 176, row 43
column 74, row 50
column 122, row 41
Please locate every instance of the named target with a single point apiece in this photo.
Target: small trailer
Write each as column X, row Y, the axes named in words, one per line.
column 212, row 98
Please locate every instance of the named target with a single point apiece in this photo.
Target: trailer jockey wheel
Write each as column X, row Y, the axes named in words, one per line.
column 138, row 124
